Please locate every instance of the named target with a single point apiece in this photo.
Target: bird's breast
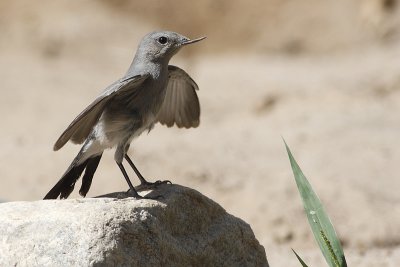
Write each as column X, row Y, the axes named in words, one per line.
column 129, row 115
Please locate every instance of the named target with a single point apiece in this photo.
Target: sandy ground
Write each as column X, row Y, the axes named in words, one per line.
column 337, row 108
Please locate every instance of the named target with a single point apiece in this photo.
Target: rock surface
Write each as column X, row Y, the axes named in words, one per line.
column 183, row 228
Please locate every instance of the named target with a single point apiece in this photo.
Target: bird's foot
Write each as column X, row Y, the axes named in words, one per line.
column 149, row 185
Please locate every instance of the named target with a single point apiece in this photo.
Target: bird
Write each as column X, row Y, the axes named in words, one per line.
column 151, row 91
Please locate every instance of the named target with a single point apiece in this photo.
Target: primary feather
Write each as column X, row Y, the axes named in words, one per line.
column 181, row 105
column 82, row 125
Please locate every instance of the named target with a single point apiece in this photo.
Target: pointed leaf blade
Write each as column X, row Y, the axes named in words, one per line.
column 321, row 226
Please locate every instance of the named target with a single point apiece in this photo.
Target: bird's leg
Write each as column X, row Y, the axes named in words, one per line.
column 143, row 182
column 131, row 187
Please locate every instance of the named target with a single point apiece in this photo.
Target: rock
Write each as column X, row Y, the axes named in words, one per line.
column 183, row 228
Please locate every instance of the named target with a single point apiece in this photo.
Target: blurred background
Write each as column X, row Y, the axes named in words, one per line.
column 325, row 75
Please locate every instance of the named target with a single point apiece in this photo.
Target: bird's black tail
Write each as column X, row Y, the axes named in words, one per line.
column 66, row 184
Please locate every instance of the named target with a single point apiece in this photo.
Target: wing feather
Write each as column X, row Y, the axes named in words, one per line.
column 82, row 125
column 181, row 105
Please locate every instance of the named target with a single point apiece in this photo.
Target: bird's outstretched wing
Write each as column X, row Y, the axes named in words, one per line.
column 181, row 104
column 82, row 125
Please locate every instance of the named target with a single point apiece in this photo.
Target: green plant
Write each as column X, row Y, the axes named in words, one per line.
column 321, row 226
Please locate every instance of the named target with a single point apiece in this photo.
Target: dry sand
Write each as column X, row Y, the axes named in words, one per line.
column 335, row 100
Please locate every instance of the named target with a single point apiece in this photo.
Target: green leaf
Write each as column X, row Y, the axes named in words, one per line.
column 321, row 226
column 300, row 260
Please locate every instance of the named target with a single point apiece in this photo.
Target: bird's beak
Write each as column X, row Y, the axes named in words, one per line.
column 188, row 41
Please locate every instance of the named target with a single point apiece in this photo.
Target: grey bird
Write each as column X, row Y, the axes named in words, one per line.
column 151, row 91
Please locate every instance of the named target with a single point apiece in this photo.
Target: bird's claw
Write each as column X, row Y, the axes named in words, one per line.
column 158, row 182
column 150, row 185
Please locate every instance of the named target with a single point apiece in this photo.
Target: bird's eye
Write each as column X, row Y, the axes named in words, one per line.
column 163, row 40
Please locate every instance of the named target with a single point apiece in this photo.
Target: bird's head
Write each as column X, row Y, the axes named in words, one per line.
column 162, row 45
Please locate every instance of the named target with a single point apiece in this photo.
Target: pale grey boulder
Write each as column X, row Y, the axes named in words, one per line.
column 183, row 228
